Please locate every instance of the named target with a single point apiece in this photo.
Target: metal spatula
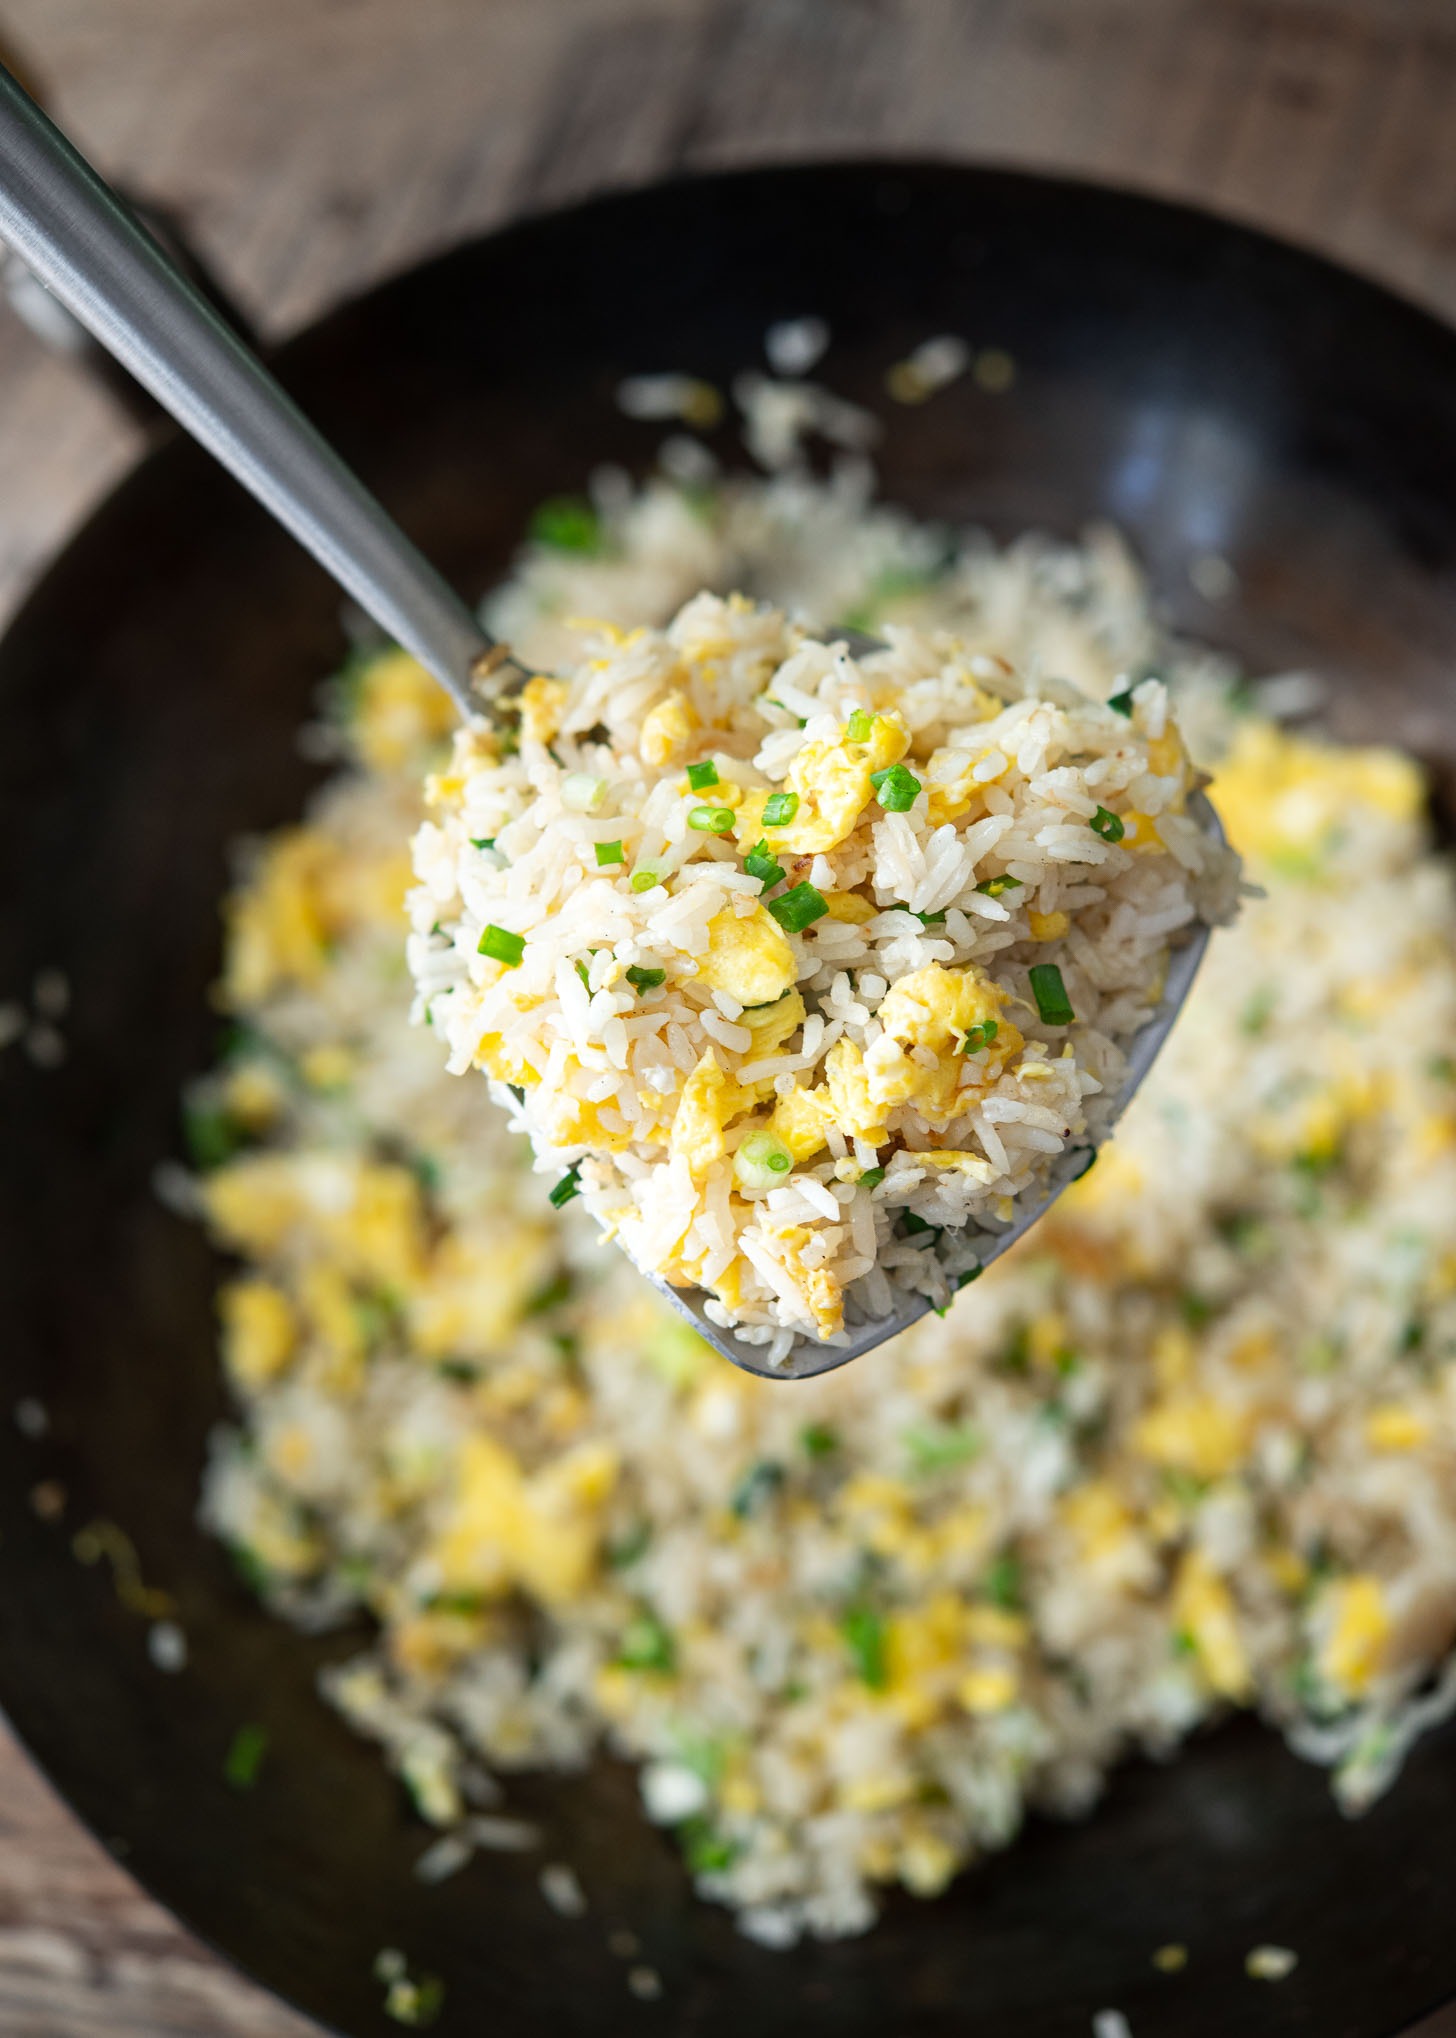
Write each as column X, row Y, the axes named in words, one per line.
column 74, row 234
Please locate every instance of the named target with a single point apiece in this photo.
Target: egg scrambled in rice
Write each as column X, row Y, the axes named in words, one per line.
column 1192, row 1446
column 789, row 961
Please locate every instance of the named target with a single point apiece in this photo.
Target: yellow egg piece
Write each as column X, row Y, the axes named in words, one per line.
column 748, row 957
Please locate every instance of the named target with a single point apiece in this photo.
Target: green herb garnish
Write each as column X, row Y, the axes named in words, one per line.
column 608, row 853
column 756, row 1488
column 644, row 880
column 567, row 1187
column 244, row 1757
column 567, row 523
column 502, row 946
column 818, row 1440
column 896, row 788
column 1121, row 703
column 980, row 1036
column 701, row 776
column 647, row 1645
column 859, row 726
column 993, row 887
column 645, row 979
column 761, row 864
column 864, row 1632
column 779, row 809
column 482, row 842
column 711, row 820
column 798, row 908
column 1050, row 993
column 872, row 1178
column 1108, row 825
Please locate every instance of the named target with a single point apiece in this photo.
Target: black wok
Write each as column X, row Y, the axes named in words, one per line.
column 1209, row 390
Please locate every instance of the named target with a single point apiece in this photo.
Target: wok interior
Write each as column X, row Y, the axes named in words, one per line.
column 1206, row 390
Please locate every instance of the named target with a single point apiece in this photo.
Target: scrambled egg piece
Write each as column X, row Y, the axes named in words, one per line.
column 365, row 1214
column 478, row 1288
column 307, row 893
column 543, row 704
column 259, row 1331
column 1193, row 1433
column 1283, row 798
column 748, row 956
column 399, row 710
column 709, row 1099
column 1203, row 1609
column 832, row 784
column 667, row 730
column 541, row 1532
column 1358, row 1631
column 934, row 1008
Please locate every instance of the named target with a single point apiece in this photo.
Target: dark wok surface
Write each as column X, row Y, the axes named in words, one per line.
column 1208, row 389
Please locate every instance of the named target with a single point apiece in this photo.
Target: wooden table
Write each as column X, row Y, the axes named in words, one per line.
column 313, row 145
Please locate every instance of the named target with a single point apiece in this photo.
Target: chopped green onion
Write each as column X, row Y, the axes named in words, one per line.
column 701, row 776
column 608, row 853
column 980, row 1036
column 1121, row 703
column 864, row 1631
column 858, row 728
column 550, row 1295
column 872, row 1178
column 647, row 1645
column 798, row 908
column 711, row 820
column 913, row 1226
column 213, row 1135
column 931, row 919
column 502, row 946
column 582, row 793
column 629, row 1547
column 583, row 973
column 1089, row 1164
column 779, row 809
column 1050, row 993
column 705, row 1851
column 644, row 880
column 567, row 1187
column 1002, row 1582
column 245, row 1757
column 762, row 1161
column 993, row 887
column 756, row 1488
column 818, row 1440
column 765, row 867
column 567, row 523
column 971, row 1274
column 645, row 979
column 482, row 842
column 1107, row 825
column 896, row 788
column 941, row 1446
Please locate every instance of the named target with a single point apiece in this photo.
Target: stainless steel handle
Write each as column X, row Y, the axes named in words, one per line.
column 71, row 231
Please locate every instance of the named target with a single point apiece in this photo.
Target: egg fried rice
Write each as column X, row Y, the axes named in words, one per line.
column 1191, row 1447
column 787, row 959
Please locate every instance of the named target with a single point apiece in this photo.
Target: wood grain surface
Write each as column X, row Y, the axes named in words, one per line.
column 312, row 146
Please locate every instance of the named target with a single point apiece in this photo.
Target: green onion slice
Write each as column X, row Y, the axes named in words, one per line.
column 1050, row 993
column 762, row 1161
column 798, row 908
column 644, row 880
column 502, row 946
column 896, row 788
column 1121, row 703
column 779, row 809
column 993, row 887
column 872, row 1178
column 980, row 1036
column 567, row 1187
column 645, row 979
column 608, row 853
column 701, row 776
column 1107, row 825
column 859, row 727
column 711, row 820
column 765, row 867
